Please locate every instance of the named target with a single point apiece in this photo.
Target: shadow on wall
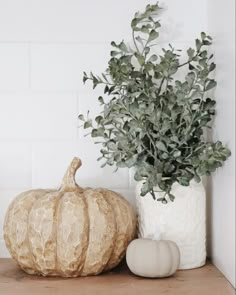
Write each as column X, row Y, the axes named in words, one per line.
column 208, row 183
column 209, row 200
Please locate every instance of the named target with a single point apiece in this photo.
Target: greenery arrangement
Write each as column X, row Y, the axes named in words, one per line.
column 153, row 121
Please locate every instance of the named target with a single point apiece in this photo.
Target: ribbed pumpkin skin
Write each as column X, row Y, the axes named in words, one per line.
column 71, row 232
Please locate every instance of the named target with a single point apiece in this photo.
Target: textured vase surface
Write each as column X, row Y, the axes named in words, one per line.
column 182, row 221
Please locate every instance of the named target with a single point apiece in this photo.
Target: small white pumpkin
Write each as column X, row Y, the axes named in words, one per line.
column 153, row 259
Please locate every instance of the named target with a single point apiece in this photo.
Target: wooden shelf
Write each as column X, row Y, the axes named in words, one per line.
column 206, row 280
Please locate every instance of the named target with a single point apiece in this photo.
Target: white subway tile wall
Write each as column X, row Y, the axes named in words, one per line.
column 30, row 116
column 65, row 64
column 45, row 45
column 14, row 67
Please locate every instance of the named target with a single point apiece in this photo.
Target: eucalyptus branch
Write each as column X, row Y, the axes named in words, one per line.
column 100, row 81
column 189, row 61
column 135, row 43
column 160, row 87
column 153, row 144
column 185, row 63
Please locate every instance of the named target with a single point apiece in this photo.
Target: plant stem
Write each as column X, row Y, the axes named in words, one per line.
column 189, row 61
column 102, row 82
column 135, row 43
column 160, row 87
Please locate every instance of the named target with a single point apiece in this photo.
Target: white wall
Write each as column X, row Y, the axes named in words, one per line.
column 221, row 16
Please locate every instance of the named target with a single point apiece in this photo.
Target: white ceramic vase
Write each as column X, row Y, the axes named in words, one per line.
column 182, row 221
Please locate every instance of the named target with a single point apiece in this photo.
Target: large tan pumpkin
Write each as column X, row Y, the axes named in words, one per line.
column 69, row 232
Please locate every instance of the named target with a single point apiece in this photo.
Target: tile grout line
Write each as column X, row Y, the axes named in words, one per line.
column 129, row 175
column 77, row 114
column 44, row 91
column 103, row 42
column 37, row 140
column 32, row 165
column 29, row 66
column 79, row 135
column 30, row 88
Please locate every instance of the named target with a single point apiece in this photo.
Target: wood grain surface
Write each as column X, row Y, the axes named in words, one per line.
column 202, row 281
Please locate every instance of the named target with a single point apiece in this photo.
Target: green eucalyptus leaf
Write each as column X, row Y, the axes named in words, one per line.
column 145, row 29
column 183, row 181
column 171, row 197
column 190, row 78
column 134, row 22
column 121, row 164
column 111, row 146
column 106, row 89
column 131, row 161
column 85, row 79
column 153, row 58
column 98, row 119
column 101, row 100
column 197, row 178
column 203, row 35
column 153, row 35
column 177, row 154
column 145, row 188
column 140, row 58
column 161, row 146
column 123, row 47
column 146, row 50
column 113, row 44
column 98, row 132
column 88, row 124
column 198, row 44
column 81, row 117
column 206, row 42
column 210, row 85
column 191, row 53
column 212, row 67
column 114, row 53
column 164, row 156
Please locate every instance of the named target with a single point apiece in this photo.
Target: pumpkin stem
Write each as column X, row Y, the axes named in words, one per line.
column 68, row 181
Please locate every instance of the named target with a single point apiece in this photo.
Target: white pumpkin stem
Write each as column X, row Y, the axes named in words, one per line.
column 68, row 181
